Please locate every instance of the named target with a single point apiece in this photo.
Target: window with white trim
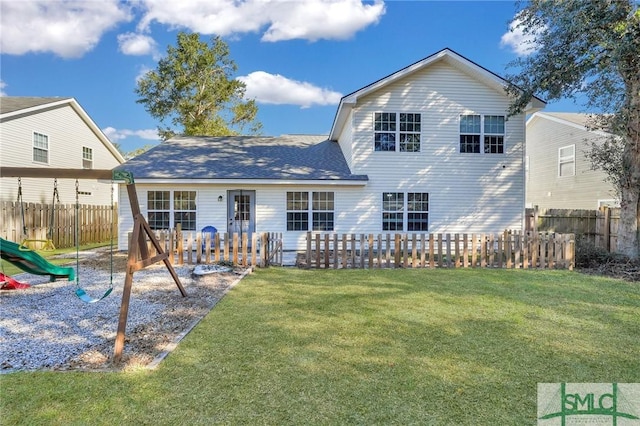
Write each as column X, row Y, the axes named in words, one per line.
column 567, row 161
column 320, row 210
column 482, row 133
column 405, row 211
column 87, row 158
column 40, row 148
column 167, row 209
column 396, row 131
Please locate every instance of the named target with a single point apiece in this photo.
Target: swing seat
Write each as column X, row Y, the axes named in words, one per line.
column 48, row 245
column 82, row 295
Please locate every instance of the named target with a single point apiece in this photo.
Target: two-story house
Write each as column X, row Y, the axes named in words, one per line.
column 39, row 132
column 427, row 149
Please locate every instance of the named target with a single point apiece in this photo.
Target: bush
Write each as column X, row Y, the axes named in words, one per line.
column 588, row 255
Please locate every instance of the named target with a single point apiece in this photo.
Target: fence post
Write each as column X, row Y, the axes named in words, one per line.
column 335, row 251
column 370, row 251
column 607, row 228
column 327, row 254
column 345, row 251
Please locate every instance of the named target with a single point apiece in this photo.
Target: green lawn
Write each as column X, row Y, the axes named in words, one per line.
column 289, row 346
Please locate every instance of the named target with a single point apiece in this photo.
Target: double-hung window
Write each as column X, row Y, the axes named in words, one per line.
column 567, row 161
column 396, row 131
column 40, row 148
column 482, row 133
column 87, row 158
column 405, row 211
column 300, row 209
column 167, row 209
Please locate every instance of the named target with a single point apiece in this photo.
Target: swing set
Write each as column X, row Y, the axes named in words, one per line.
column 138, row 257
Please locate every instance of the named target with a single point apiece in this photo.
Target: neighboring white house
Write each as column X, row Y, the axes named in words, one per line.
column 53, row 133
column 427, row 149
column 559, row 173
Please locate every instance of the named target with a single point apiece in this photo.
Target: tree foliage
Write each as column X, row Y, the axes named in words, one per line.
column 193, row 87
column 590, row 47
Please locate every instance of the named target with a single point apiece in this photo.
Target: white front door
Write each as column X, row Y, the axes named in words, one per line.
column 241, row 212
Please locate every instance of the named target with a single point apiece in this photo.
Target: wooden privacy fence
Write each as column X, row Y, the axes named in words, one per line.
column 506, row 250
column 262, row 249
column 600, row 227
column 95, row 223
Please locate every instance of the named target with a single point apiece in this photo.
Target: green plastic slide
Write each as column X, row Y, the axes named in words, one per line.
column 32, row 262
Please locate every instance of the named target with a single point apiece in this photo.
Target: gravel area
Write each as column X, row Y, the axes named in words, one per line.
column 46, row 327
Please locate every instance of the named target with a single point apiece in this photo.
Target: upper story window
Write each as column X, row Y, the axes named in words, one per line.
column 87, row 158
column 396, row 131
column 567, row 161
column 482, row 133
column 167, row 209
column 320, row 210
column 40, row 148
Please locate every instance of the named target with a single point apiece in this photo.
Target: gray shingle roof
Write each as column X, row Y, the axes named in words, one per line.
column 16, row 103
column 290, row 157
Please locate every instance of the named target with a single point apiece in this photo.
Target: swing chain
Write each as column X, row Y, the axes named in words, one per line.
column 24, row 223
column 55, row 198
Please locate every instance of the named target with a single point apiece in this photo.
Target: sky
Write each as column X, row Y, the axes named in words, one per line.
column 297, row 58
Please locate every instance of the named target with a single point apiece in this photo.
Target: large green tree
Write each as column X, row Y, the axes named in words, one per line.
column 193, row 87
column 589, row 48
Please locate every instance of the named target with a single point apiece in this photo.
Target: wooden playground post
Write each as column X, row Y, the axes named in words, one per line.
column 138, row 249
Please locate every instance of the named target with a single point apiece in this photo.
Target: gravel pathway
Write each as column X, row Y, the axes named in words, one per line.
column 46, row 327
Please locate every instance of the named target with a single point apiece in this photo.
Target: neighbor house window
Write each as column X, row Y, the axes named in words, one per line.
column 87, row 158
column 167, row 209
column 480, row 133
column 396, row 131
column 40, row 148
column 567, row 161
column 405, row 211
column 320, row 210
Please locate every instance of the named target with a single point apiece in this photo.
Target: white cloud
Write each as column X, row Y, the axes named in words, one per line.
column 138, row 45
column 2, row 86
column 115, row 135
column 284, row 20
column 320, row 19
column 520, row 43
column 66, row 28
column 275, row 89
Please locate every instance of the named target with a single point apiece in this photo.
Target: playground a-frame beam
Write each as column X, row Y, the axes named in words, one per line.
column 138, row 254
